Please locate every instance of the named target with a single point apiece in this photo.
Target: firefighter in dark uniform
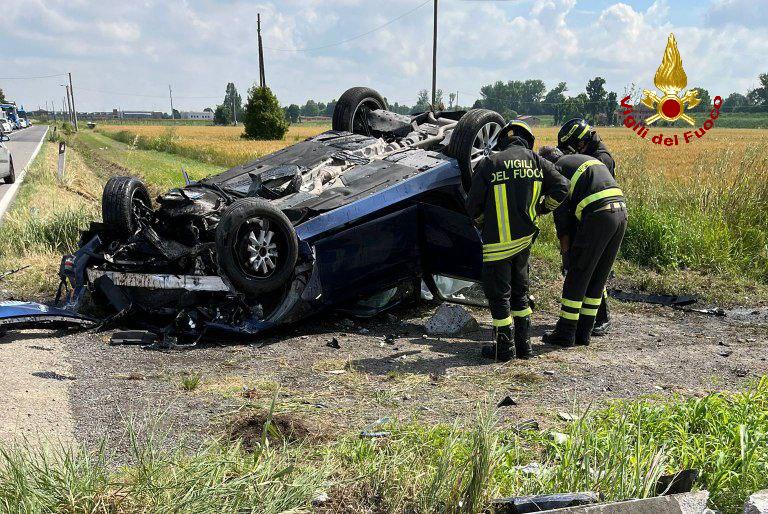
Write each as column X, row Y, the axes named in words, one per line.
column 596, row 204
column 577, row 136
column 509, row 190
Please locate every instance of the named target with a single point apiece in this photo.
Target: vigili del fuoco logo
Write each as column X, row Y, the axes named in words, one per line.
column 671, row 80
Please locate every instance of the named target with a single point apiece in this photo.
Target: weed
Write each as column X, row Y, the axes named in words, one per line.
column 190, row 381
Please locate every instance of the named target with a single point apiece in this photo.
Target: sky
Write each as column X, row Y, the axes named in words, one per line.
column 124, row 54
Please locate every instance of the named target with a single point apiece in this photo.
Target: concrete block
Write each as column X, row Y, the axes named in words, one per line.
column 757, row 503
column 685, row 503
column 450, row 319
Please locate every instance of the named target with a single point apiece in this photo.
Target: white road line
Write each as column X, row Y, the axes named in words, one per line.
column 6, row 200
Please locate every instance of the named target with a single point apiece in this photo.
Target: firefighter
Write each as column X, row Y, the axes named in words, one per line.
column 577, row 136
column 595, row 211
column 509, row 190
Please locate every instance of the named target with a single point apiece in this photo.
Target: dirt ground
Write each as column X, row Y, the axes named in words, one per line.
column 385, row 367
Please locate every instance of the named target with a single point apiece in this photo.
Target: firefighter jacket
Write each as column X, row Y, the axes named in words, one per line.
column 504, row 198
column 591, row 186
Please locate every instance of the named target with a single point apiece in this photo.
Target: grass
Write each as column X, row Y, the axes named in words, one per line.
column 619, row 451
column 209, row 144
column 190, row 381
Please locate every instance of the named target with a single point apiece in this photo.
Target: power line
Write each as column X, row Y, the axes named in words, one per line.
column 358, row 36
column 33, row 78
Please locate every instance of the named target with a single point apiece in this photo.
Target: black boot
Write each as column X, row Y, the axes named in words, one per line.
column 563, row 335
column 523, row 347
column 583, row 330
column 502, row 349
column 602, row 320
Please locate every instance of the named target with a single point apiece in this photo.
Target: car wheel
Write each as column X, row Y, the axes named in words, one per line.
column 123, row 202
column 11, row 178
column 473, row 139
column 350, row 112
column 256, row 246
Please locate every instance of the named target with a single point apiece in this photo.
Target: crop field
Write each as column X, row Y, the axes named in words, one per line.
column 211, row 144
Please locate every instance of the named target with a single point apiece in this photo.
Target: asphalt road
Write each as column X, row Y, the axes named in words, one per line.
column 23, row 145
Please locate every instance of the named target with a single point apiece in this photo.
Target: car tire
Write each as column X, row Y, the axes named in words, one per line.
column 346, row 114
column 119, row 202
column 11, row 178
column 256, row 246
column 468, row 137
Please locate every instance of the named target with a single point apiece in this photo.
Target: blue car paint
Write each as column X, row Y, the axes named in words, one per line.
column 443, row 175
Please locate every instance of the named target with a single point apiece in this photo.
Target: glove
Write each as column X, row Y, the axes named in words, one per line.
column 566, row 258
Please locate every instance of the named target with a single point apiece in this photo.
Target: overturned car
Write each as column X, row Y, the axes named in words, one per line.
column 353, row 218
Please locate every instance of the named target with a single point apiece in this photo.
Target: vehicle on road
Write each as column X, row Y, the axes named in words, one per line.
column 5, row 126
column 354, row 218
column 23, row 123
column 7, row 173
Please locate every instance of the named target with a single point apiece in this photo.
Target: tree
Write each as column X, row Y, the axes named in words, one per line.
column 176, row 114
column 554, row 101
column 422, row 102
column 706, row 102
column 294, row 111
column 735, row 101
column 330, row 108
column 232, row 97
column 759, row 95
column 309, row 108
column 220, row 116
column 611, row 104
column 207, row 109
column 439, row 102
column 263, row 117
column 2, row 96
column 596, row 95
column 451, row 99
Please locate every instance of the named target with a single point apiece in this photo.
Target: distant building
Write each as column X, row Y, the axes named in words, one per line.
column 195, row 115
column 137, row 114
column 309, row 119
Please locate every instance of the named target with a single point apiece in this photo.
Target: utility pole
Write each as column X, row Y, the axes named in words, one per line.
column 170, row 93
column 53, row 106
column 69, row 105
column 262, row 78
column 234, row 108
column 434, row 57
column 72, row 94
column 457, row 100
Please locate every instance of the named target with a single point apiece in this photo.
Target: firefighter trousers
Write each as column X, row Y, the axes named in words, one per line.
column 592, row 254
column 505, row 284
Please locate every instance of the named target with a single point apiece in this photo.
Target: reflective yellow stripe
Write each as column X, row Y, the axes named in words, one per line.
column 588, row 312
column 581, row 169
column 499, row 218
column 523, row 313
column 605, row 293
column 550, row 203
column 592, row 301
column 571, row 303
column 569, row 315
column 534, row 199
column 503, row 322
column 583, row 132
column 506, row 245
column 490, row 257
column 607, row 193
column 505, row 214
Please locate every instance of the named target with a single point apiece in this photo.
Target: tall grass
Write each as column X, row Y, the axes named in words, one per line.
column 619, row 451
column 710, row 218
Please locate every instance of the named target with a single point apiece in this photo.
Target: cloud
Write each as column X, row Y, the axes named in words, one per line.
column 746, row 13
column 197, row 46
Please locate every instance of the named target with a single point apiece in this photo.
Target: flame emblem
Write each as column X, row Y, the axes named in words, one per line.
column 670, row 78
